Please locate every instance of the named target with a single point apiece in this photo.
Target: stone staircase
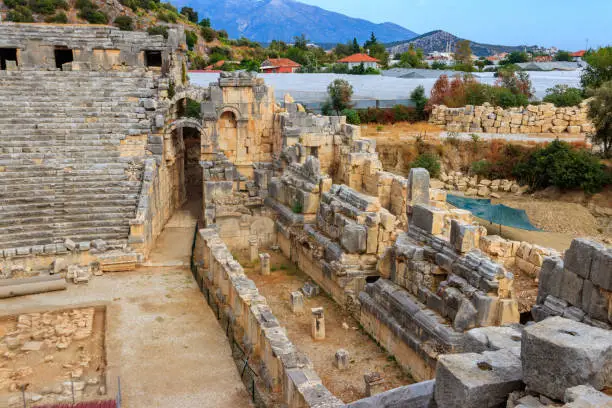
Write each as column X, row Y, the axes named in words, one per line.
column 62, row 171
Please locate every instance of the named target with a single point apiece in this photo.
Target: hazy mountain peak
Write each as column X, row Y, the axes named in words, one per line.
column 267, row 20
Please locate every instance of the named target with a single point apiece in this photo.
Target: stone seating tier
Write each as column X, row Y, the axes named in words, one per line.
column 72, row 146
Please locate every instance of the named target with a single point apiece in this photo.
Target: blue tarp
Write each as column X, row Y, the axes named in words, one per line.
column 497, row 214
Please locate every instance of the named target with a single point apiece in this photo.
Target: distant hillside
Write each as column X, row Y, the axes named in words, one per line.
column 440, row 40
column 267, row 20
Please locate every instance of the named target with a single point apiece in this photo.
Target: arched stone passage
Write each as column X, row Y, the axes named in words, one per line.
column 182, row 155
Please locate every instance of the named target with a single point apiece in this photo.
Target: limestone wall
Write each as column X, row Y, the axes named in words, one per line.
column 283, row 370
column 544, row 118
column 94, row 47
column 579, row 286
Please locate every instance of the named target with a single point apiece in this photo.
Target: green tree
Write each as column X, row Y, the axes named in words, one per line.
column 412, row 58
column 190, row 13
column 20, row 14
column 124, row 23
column 340, row 94
column 600, row 112
column 356, row 49
column 300, row 42
column 599, row 69
column 371, row 42
column 463, row 53
column 59, row 18
column 515, row 57
column 420, row 101
column 563, row 95
column 205, row 22
column 563, row 56
column 438, row 65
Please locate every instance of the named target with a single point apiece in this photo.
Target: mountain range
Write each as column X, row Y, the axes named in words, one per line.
column 267, row 20
column 441, row 41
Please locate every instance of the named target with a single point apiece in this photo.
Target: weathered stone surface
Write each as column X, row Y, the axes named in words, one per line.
column 579, row 257
column 477, row 380
column 418, row 395
column 601, row 269
column 558, row 353
column 571, row 287
column 418, row 187
column 584, row 396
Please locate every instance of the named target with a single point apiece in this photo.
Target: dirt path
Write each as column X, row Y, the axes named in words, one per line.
column 162, row 339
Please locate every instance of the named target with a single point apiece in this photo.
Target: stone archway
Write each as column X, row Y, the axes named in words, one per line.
column 183, row 151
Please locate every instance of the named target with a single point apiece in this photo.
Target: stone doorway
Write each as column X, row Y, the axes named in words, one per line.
column 192, row 170
column 186, row 172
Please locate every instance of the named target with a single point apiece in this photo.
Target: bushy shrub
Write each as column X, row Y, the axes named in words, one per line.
column 191, row 39
column 124, row 23
column 208, row 34
column 428, row 161
column 89, row 11
column 399, row 113
column 558, row 164
column 563, row 95
column 47, row 6
column 20, row 14
column 465, row 90
column 167, row 15
column 94, row 16
column 158, row 30
column 59, row 18
column 481, row 168
column 352, row 117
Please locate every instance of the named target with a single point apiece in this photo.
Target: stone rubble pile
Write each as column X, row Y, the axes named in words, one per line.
column 45, row 333
column 543, row 118
column 481, row 187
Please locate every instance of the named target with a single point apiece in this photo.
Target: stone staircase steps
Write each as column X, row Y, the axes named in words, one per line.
column 61, row 172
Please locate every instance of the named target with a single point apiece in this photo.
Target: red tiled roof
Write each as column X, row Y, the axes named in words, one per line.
column 279, row 62
column 359, row 58
column 578, row 53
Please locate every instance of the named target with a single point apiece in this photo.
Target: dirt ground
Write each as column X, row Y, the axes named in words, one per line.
column 53, row 353
column 162, row 340
column 341, row 331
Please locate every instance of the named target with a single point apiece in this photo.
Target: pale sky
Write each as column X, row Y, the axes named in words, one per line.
column 566, row 24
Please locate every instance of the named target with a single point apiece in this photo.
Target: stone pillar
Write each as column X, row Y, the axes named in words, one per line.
column 342, row 359
column 318, row 323
column 374, row 384
column 264, row 263
column 418, row 189
column 253, row 249
column 297, row 302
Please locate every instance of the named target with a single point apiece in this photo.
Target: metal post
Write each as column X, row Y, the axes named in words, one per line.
column 72, row 387
column 118, row 399
column 23, row 395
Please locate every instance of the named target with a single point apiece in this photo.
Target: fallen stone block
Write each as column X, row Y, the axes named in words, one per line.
column 558, row 353
column 477, row 380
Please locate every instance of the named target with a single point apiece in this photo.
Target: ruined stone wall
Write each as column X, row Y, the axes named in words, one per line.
column 284, row 371
column 94, row 47
column 544, row 118
column 577, row 287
